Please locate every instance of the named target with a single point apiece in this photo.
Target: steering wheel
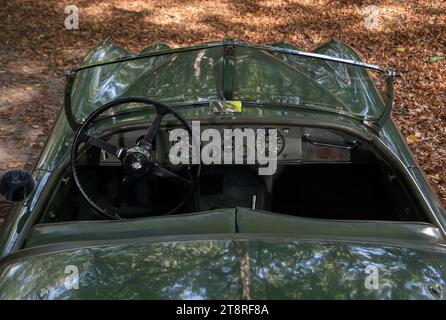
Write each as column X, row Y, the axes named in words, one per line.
column 136, row 161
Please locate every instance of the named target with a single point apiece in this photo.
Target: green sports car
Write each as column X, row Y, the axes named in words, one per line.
column 226, row 170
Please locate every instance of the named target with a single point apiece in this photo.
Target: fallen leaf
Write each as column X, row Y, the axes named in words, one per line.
column 411, row 139
column 437, row 57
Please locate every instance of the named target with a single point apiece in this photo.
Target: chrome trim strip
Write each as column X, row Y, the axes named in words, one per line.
column 231, row 42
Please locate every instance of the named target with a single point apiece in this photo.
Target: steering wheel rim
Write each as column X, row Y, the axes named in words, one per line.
column 143, row 148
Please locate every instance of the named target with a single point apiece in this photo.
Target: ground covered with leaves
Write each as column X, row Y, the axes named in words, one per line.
column 35, row 49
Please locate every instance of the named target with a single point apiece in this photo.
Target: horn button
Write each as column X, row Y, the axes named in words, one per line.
column 137, row 161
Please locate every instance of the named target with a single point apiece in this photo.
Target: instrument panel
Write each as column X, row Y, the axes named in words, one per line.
column 253, row 140
column 293, row 144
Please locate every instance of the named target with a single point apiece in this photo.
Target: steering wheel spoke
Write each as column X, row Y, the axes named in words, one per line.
column 147, row 141
column 162, row 172
column 118, row 152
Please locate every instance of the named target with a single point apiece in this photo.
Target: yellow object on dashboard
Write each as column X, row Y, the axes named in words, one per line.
column 226, row 106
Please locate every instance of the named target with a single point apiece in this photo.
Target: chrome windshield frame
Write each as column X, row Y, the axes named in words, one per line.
column 233, row 42
column 389, row 74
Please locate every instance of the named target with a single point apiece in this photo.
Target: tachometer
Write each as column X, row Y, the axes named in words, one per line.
column 263, row 140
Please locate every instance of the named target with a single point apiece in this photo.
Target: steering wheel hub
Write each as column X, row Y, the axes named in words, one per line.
column 137, row 161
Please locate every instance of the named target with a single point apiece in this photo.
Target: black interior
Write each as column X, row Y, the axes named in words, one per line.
column 335, row 191
column 350, row 191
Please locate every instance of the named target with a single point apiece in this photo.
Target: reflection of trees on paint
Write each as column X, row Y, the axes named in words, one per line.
column 231, row 269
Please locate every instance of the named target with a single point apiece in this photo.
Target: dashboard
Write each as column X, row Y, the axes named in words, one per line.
column 293, row 144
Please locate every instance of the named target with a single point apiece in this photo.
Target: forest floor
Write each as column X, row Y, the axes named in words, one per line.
column 36, row 48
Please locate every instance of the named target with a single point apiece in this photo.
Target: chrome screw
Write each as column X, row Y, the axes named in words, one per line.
column 42, row 294
column 435, row 290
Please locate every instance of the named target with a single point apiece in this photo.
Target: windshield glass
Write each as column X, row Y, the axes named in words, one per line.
column 244, row 74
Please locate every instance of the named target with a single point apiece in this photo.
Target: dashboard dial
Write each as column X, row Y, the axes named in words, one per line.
column 263, row 141
column 182, row 144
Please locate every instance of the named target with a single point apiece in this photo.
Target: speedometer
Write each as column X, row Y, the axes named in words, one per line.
column 263, row 140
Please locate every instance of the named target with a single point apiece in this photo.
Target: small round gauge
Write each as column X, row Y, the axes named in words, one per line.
column 212, row 151
column 179, row 149
column 243, row 150
column 227, row 147
column 263, row 141
column 180, row 146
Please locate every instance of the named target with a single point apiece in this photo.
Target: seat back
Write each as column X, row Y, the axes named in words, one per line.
column 216, row 221
column 253, row 221
column 241, row 220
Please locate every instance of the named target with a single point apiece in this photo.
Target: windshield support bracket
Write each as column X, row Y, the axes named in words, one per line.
column 71, row 76
column 375, row 125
